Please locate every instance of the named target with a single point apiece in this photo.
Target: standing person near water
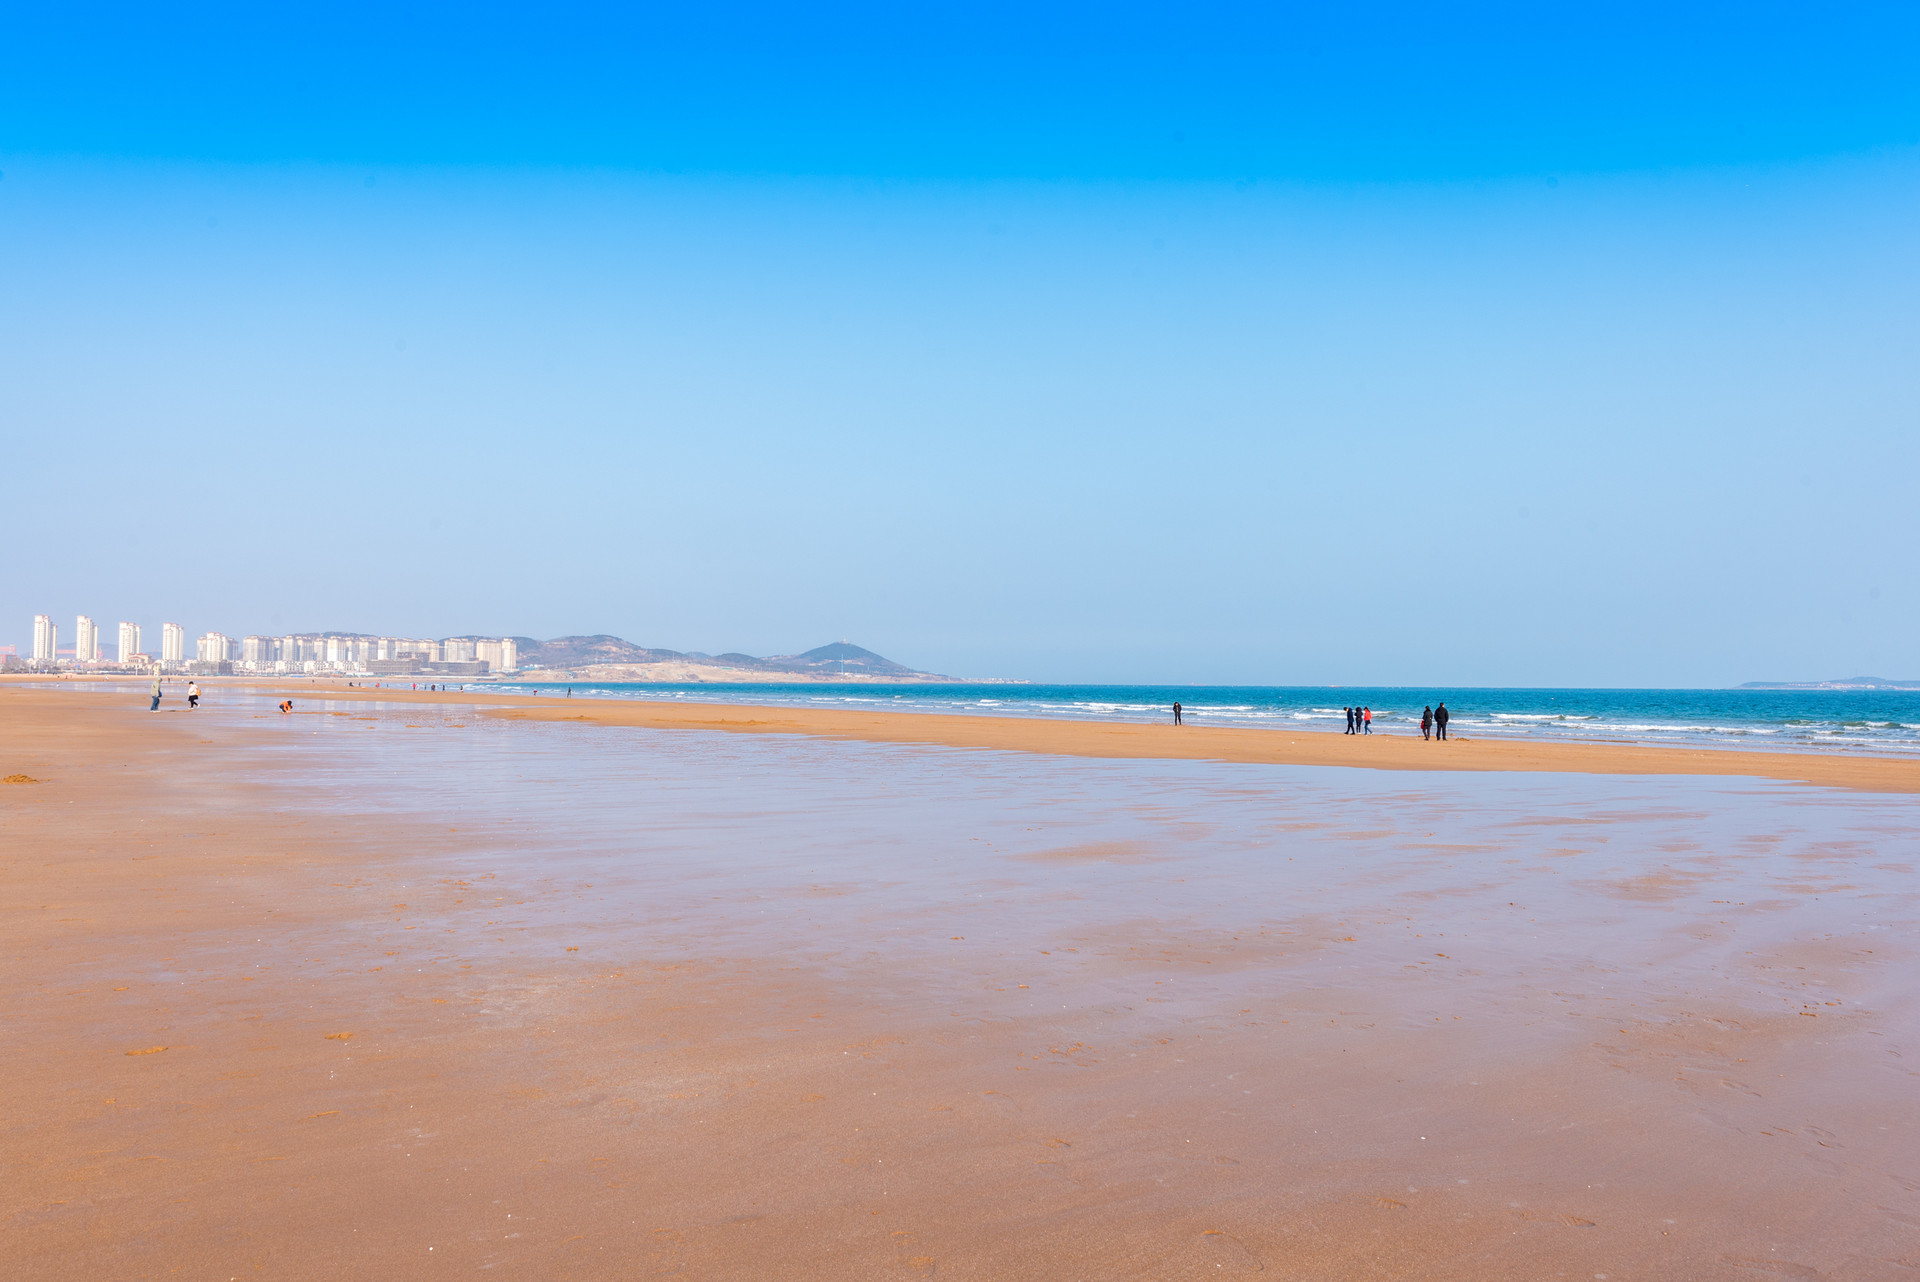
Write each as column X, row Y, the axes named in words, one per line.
column 1366, row 721
column 193, row 694
column 1176, row 712
column 1426, row 722
column 1349, row 712
column 1440, row 715
column 155, row 706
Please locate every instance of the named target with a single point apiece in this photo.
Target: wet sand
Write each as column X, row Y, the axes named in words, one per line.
column 441, row 990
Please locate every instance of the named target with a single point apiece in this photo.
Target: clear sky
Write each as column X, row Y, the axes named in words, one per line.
column 1469, row 344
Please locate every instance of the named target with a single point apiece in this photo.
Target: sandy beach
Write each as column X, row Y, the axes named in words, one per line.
column 408, row 984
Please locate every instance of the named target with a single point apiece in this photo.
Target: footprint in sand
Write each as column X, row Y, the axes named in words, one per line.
column 1227, row 1252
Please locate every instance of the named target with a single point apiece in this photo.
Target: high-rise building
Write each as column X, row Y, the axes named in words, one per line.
column 215, row 647
column 173, row 643
column 86, row 640
column 257, row 650
column 129, row 644
column 46, row 638
column 501, row 655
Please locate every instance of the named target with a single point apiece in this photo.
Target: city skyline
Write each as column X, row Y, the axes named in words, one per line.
column 216, row 652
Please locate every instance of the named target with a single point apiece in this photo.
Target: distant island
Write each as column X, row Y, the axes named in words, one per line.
column 1851, row 683
column 605, row 658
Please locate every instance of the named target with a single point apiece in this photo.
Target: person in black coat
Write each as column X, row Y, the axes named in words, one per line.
column 1440, row 722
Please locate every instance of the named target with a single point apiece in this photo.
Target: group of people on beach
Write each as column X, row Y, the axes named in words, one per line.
column 193, row 695
column 1433, row 720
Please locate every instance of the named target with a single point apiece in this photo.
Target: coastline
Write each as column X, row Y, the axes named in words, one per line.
column 1114, row 739
column 1292, row 746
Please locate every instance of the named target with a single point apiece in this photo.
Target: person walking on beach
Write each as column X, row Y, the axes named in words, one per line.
column 1366, row 720
column 193, row 694
column 1176, row 712
column 1440, row 722
column 155, row 706
column 1426, row 722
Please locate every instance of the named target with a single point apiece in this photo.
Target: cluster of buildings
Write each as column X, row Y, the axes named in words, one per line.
column 217, row 654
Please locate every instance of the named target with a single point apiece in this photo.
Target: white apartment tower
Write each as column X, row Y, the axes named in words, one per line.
column 215, row 647
column 46, row 638
column 86, row 640
column 173, row 643
column 501, row 655
column 129, row 643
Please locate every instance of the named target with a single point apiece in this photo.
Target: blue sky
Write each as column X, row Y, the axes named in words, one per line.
column 1415, row 344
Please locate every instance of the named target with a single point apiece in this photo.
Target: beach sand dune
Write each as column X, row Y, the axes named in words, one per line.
column 414, row 990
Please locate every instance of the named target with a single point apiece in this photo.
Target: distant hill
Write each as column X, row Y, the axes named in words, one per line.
column 838, row 661
column 842, row 657
column 1850, row 683
column 576, row 652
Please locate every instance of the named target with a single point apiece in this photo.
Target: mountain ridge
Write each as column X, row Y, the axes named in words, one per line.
column 602, row 651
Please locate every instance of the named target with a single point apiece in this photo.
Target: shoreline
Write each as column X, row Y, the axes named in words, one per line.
column 1126, row 739
column 1141, row 741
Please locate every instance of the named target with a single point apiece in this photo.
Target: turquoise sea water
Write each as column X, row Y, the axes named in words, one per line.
column 1837, row 720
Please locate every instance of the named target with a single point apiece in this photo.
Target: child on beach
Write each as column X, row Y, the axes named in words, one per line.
column 193, row 694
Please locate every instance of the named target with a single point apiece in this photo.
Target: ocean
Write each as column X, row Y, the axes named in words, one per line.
column 1869, row 721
